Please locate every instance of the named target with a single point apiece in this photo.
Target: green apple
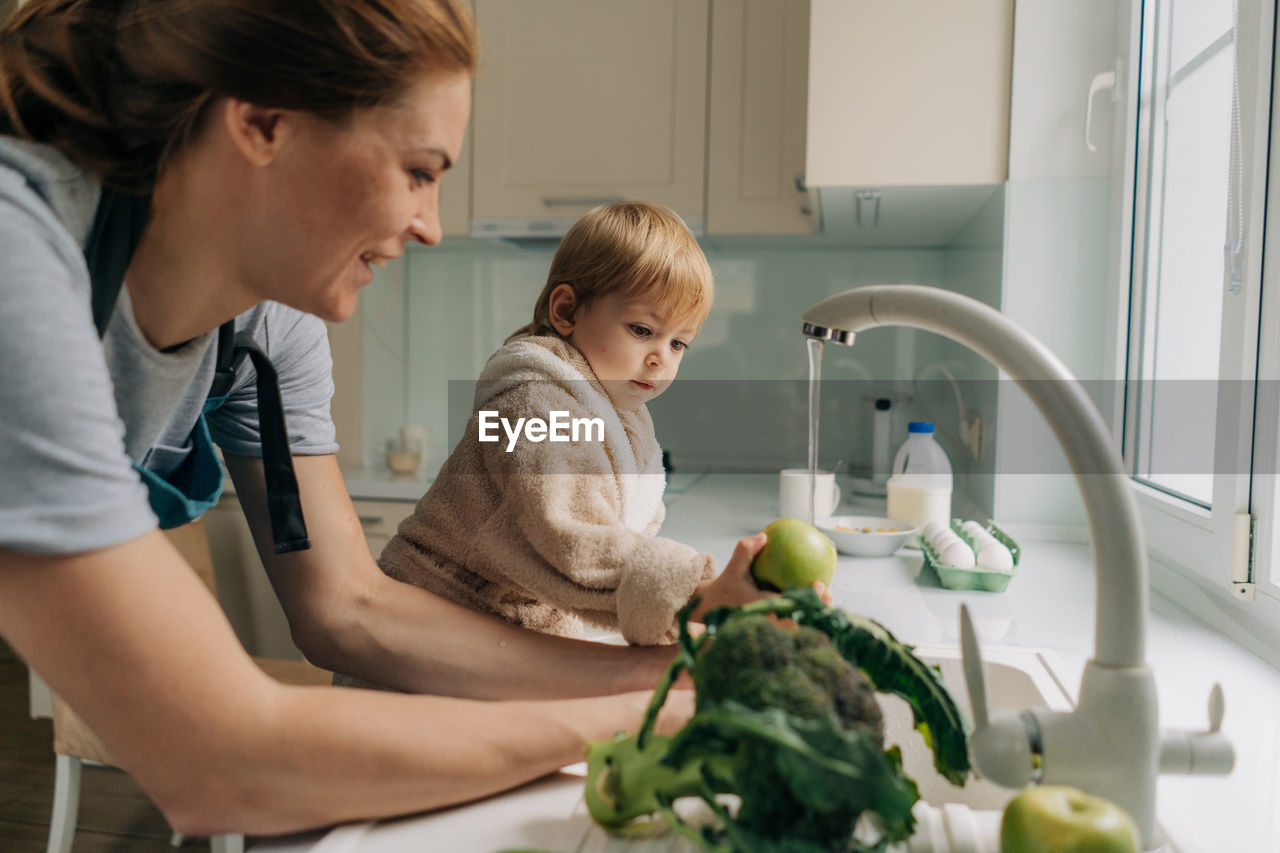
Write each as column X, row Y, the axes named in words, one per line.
column 1062, row 819
column 796, row 554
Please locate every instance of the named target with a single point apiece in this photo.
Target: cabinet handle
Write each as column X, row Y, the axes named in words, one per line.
column 578, row 201
column 370, row 519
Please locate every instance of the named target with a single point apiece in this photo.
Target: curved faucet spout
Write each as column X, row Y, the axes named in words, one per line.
column 1119, row 550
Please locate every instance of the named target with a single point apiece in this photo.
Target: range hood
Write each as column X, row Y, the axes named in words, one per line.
column 888, row 217
column 544, row 232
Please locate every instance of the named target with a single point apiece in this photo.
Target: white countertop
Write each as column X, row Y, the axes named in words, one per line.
column 380, row 484
column 1049, row 605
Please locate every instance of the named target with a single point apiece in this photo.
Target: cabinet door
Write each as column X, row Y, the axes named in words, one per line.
column 379, row 519
column 909, row 92
column 584, row 101
column 759, row 89
column 455, row 188
column 455, row 195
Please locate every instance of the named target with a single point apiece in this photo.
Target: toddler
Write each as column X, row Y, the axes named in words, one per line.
column 547, row 534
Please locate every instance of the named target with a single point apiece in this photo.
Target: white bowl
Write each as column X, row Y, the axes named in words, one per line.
column 866, row 535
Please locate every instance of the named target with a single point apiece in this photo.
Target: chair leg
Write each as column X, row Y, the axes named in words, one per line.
column 232, row 842
column 66, row 804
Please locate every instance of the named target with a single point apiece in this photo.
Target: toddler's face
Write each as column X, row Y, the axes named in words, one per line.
column 634, row 351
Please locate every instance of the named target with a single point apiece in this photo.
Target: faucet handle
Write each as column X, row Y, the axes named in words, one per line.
column 974, row 678
column 1003, row 749
column 1208, row 752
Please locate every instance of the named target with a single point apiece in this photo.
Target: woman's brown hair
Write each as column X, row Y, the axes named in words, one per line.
column 119, row 85
column 639, row 251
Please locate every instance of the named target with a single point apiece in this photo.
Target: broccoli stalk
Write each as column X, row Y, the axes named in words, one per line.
column 625, row 781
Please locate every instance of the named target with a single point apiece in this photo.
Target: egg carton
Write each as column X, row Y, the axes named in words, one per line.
column 954, row 577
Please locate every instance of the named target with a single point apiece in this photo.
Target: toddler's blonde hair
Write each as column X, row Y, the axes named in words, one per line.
column 638, row 251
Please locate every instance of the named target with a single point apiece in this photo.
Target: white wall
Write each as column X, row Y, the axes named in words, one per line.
column 1057, row 226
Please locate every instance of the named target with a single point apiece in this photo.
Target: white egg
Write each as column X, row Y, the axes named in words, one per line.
column 940, row 533
column 993, row 555
column 943, row 539
column 976, row 530
column 932, row 530
column 958, row 554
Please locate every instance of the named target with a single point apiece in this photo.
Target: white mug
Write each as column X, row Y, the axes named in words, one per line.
column 793, row 494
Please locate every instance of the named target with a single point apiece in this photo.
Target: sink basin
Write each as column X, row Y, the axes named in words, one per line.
column 1016, row 678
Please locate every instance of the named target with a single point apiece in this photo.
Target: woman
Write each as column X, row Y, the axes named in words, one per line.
column 187, row 187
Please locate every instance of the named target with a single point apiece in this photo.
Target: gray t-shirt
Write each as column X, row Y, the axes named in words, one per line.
column 76, row 412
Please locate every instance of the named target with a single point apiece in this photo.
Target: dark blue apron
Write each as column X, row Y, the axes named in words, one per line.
column 196, row 484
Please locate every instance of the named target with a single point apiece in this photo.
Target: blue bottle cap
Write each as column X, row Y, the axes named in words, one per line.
column 920, row 426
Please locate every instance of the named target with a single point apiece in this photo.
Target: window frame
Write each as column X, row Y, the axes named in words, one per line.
column 1265, row 497
column 1204, row 542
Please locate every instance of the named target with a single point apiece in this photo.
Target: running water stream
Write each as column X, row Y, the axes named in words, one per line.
column 815, row 392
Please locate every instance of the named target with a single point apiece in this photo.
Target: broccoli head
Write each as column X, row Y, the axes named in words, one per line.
column 757, row 663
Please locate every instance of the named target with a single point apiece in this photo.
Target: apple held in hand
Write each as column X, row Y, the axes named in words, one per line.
column 796, row 554
column 1062, row 819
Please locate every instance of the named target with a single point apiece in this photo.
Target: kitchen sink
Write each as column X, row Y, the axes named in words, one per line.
column 1016, row 679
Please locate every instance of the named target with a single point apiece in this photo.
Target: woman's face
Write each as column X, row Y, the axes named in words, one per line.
column 343, row 198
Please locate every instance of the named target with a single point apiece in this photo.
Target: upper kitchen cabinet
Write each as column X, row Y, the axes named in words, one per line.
column 584, row 101
column 455, row 189
column 908, row 92
column 455, row 196
column 759, row 85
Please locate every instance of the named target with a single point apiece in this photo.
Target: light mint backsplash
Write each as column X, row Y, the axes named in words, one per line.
column 1057, row 284
column 740, row 399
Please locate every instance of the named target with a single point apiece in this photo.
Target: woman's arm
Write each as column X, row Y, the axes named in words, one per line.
column 133, row 642
column 346, row 615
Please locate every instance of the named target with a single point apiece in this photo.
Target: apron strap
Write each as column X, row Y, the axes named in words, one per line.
column 284, row 504
column 224, row 372
column 117, row 228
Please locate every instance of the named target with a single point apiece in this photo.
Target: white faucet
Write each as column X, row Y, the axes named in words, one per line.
column 1110, row 744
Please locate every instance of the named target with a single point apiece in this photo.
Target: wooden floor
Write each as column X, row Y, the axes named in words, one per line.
column 115, row 816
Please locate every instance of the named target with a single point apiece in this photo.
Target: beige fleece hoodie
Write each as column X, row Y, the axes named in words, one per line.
column 551, row 534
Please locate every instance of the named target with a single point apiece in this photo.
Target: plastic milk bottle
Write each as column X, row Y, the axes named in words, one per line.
column 920, row 486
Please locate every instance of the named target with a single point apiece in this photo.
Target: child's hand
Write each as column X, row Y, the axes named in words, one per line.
column 735, row 586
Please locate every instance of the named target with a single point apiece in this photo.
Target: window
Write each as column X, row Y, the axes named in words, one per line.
column 1194, row 414
column 1266, row 461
